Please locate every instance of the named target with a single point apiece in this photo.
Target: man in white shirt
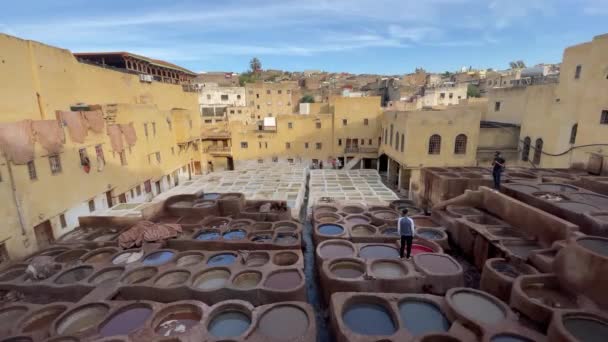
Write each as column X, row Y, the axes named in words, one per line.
column 407, row 231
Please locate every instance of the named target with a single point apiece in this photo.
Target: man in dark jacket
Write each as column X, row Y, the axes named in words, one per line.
column 498, row 166
column 407, row 230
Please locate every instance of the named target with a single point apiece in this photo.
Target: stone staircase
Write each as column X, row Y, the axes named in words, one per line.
column 352, row 163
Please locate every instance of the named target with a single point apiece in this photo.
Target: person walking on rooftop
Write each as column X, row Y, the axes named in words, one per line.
column 498, row 166
column 407, row 230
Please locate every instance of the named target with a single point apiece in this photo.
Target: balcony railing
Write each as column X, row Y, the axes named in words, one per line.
column 215, row 135
column 361, row 150
column 218, row 149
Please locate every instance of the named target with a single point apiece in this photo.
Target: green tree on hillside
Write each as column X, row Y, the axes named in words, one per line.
column 255, row 65
column 473, row 91
column 307, row 99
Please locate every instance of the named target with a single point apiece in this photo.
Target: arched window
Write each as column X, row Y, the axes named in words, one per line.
column 435, row 144
column 402, row 142
column 396, row 140
column 573, row 133
column 460, row 145
column 538, row 150
column 391, row 136
column 385, row 135
column 525, row 152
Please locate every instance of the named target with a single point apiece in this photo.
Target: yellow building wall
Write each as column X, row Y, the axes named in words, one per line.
column 356, row 110
column 272, row 99
column 37, row 81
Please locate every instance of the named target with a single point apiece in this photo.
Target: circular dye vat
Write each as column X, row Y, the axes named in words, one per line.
column 140, row 275
column 369, row 319
column 362, row 230
column 358, row 219
column 82, row 319
column 174, row 278
column 336, row 250
column 283, row 280
column 190, row 260
column 391, row 231
column 127, row 257
column 388, row 270
column 285, row 227
column 353, row 209
column 229, row 324
column 74, row 275
column 285, row 258
column 386, row 215
column 550, row 295
column 509, row 338
column 262, row 226
column 125, row 321
column 204, row 204
column 286, row 239
column 208, row 235
column 70, row 256
column 178, row 320
column 436, row 263
column 345, row 269
column 211, row 196
column 586, row 329
column 8, row 316
column 256, row 259
column 284, row 322
column 421, row 318
column 41, row 320
column 424, row 222
column 235, row 234
column 110, row 274
column 247, row 280
column 100, row 257
column 508, row 269
column 478, row 308
column 12, row 273
column 330, row 229
column 417, row 249
column 212, row 280
column 325, row 209
column 223, row 259
column 262, row 238
column 158, row 258
column 379, row 252
column 429, row 234
column 599, row 246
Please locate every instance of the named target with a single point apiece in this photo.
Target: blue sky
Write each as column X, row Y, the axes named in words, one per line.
column 357, row 36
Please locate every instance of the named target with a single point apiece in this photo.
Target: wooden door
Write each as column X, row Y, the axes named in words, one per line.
column 109, row 198
column 197, row 168
column 44, row 234
column 122, row 198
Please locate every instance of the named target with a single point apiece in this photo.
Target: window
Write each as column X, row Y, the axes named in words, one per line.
column 91, row 206
column 604, row 118
column 260, row 144
column 339, row 142
column 55, row 163
column 451, row 96
column 385, row 134
column 396, row 140
column 260, row 161
column 538, row 150
column 170, row 124
column 265, row 144
column 279, row 92
column 209, row 121
column 275, row 159
column 525, row 152
column 366, row 122
column 287, row 145
column 232, row 111
column 138, row 190
column 148, row 185
column 362, row 142
column 319, row 145
column 238, row 97
column 239, row 111
column 268, row 92
column 123, row 158
column 391, row 136
column 344, row 122
column 573, row 133
column 497, row 106
column 153, row 128
column 132, row 193
column 442, row 96
column 146, row 129
column 258, row 106
column 257, row 96
column 577, row 72
column 62, row 221
column 305, row 145
column 84, row 156
column 290, row 160
column 208, row 97
column 31, row 169
column 99, row 153
column 460, row 145
column 158, row 157
column 369, row 142
column 173, row 150
column 290, row 125
column 288, row 104
column 435, row 144
column 224, row 97
column 318, row 125
column 288, row 91
column 402, row 142
column 244, row 144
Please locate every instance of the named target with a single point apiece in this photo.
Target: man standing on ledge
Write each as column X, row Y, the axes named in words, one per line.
column 407, row 230
column 498, row 166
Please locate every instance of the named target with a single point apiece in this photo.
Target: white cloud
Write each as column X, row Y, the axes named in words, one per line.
column 505, row 13
column 415, row 34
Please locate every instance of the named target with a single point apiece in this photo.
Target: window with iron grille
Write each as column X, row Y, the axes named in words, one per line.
column 435, row 144
column 573, row 133
column 244, row 144
column 305, row 145
column 538, row 150
column 525, row 152
column 577, row 72
column 460, row 145
column 604, row 118
column 319, row 145
column 290, row 125
column 55, row 162
column 31, row 169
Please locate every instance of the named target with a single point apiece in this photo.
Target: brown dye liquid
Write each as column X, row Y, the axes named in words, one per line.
column 101, row 257
column 347, row 270
column 82, row 319
column 283, row 280
column 332, row 251
column 436, row 264
column 284, row 322
column 43, row 322
column 125, row 322
column 357, row 220
column 177, row 323
column 478, row 308
column 387, row 270
column 550, row 297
